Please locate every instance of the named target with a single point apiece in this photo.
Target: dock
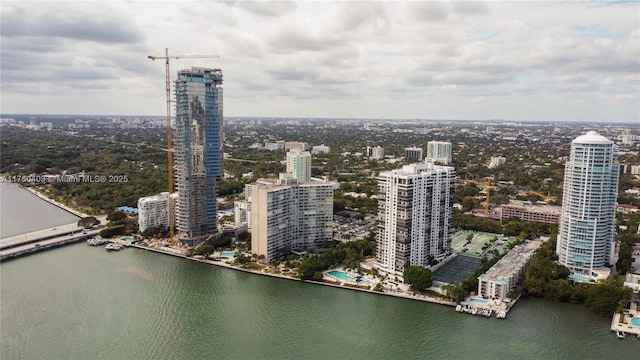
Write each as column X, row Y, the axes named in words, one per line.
column 624, row 322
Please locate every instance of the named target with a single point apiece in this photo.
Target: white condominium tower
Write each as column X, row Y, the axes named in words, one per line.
column 414, row 209
column 439, row 151
column 287, row 215
column 587, row 223
column 299, row 165
column 154, row 211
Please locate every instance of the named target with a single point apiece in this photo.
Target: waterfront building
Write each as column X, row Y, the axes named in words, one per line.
column 287, row 215
column 496, row 161
column 414, row 212
column 439, row 151
column 154, row 210
column 526, row 212
column 503, row 277
column 321, row 149
column 587, row 223
column 198, row 152
column 299, row 164
column 413, row 153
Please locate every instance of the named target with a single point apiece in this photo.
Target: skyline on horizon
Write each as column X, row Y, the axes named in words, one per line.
column 485, row 61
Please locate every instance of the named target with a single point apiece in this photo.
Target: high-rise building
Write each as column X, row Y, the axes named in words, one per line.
column 587, row 223
column 414, row 210
column 198, row 152
column 439, row 151
column 413, row 153
column 287, row 215
column 153, row 211
column 299, row 165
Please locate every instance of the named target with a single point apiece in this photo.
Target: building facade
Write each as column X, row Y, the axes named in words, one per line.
column 503, row 277
column 439, row 151
column 528, row 212
column 154, row 210
column 287, row 215
column 299, row 165
column 198, row 151
column 414, row 212
column 587, row 223
column 413, row 153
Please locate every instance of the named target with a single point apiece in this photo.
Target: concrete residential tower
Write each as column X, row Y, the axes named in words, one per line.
column 414, row 208
column 198, row 153
column 299, row 164
column 587, row 223
column 439, row 151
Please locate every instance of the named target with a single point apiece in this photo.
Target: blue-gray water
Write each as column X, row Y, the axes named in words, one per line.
column 21, row 212
column 81, row 302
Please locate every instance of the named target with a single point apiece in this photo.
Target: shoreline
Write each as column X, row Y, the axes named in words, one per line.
column 222, row 264
column 53, row 202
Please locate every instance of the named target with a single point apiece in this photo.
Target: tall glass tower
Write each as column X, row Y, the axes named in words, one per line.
column 198, row 153
column 587, row 224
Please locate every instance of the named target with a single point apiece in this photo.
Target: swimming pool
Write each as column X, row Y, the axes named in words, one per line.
column 479, row 301
column 635, row 321
column 228, row 254
column 581, row 278
column 341, row 275
column 127, row 238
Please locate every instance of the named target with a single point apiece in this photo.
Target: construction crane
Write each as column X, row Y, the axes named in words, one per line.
column 488, row 188
column 167, row 79
column 547, row 198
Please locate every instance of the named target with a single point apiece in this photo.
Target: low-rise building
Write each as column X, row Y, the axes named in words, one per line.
column 526, row 212
column 502, row 278
column 321, row 149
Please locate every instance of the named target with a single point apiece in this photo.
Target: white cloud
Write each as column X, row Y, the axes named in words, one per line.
column 512, row 60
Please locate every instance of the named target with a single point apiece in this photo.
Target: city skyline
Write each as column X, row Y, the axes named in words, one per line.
column 430, row 60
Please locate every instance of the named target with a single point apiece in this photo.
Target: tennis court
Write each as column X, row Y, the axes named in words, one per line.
column 457, row 270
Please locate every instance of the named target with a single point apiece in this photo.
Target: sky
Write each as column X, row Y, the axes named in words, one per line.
column 541, row 60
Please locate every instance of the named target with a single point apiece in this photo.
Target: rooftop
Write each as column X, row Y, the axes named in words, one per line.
column 592, row 137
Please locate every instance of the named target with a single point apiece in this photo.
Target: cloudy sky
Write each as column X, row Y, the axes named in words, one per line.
column 556, row 61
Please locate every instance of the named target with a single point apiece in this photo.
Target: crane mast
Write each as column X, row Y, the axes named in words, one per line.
column 167, row 80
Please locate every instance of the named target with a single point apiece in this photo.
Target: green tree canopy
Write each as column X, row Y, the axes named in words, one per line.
column 418, row 277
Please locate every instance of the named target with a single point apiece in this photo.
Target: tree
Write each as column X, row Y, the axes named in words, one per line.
column 88, row 222
column 604, row 298
column 455, row 292
column 116, row 216
column 418, row 277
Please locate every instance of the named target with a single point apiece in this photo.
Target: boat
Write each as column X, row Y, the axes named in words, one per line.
column 621, row 334
column 113, row 247
column 459, row 308
column 474, row 310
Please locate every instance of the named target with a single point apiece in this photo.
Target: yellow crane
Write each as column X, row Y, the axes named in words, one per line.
column 166, row 58
column 487, row 185
column 547, row 198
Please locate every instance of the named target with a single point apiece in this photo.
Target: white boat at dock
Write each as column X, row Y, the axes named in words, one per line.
column 621, row 334
column 113, row 247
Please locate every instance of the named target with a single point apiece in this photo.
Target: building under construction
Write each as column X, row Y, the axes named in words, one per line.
column 198, row 152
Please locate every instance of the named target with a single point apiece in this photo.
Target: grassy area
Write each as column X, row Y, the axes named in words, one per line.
column 255, row 266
